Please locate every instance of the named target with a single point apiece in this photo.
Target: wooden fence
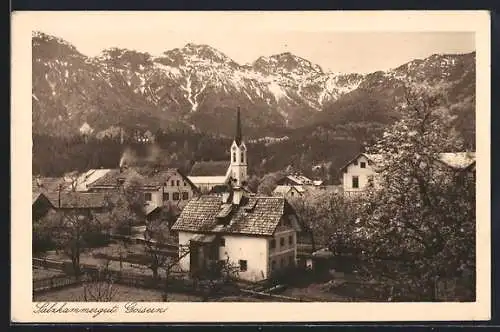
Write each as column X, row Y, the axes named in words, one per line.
column 55, row 282
column 174, row 284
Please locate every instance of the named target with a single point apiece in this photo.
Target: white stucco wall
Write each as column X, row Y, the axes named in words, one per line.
column 184, row 238
column 362, row 173
column 175, row 184
column 237, row 247
column 252, row 249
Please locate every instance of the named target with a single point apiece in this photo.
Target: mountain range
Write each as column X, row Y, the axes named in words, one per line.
column 197, row 88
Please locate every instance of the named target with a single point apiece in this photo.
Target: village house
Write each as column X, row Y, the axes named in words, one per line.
column 159, row 187
column 361, row 172
column 295, row 185
column 74, row 203
column 258, row 234
column 86, row 179
column 289, row 191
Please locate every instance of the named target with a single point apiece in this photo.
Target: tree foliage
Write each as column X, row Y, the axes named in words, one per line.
column 70, row 230
column 422, row 219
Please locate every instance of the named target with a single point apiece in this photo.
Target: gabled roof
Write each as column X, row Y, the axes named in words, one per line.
column 75, row 200
column 110, row 179
column 284, row 189
column 375, row 158
column 48, row 184
column 85, row 180
column 297, row 179
column 159, row 178
column 210, row 168
column 458, row 160
column 255, row 216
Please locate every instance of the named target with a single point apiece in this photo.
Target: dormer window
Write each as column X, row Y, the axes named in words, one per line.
column 355, row 163
column 362, row 164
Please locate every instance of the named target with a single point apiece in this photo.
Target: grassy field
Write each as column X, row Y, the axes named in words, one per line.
column 123, row 294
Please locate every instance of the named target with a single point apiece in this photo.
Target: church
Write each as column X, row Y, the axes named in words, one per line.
column 212, row 175
column 256, row 234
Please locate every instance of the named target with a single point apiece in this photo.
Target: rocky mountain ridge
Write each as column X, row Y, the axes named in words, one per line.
column 197, row 88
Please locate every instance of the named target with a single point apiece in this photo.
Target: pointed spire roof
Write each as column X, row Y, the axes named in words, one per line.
column 238, row 136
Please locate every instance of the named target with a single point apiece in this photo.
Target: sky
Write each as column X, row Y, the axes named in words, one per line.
column 333, row 42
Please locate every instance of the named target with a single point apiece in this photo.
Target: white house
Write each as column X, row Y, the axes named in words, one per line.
column 256, row 233
column 86, row 179
column 289, row 191
column 361, row 171
column 159, row 187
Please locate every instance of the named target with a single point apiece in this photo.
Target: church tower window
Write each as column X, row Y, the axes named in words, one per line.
column 242, row 156
column 234, row 157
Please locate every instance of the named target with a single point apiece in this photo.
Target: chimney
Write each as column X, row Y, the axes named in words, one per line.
column 225, row 197
column 237, row 196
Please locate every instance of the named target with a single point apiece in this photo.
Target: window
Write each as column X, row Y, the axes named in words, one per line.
column 355, row 182
column 234, row 157
column 147, row 197
column 290, row 239
column 282, row 241
column 222, row 242
column 273, row 265
column 178, row 183
column 282, row 262
column 243, row 265
column 165, row 197
column 185, row 184
column 175, row 196
column 242, row 157
column 172, row 183
column 273, row 243
column 185, row 195
column 292, row 193
column 355, row 163
column 362, row 164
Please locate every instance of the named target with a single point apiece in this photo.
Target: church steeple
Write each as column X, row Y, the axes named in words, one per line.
column 238, row 153
column 238, row 136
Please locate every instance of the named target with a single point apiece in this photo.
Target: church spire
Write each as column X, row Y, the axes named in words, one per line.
column 238, row 135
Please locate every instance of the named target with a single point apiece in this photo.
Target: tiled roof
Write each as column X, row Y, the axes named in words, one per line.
column 47, row 184
column 256, row 216
column 86, row 179
column 210, row 168
column 159, row 178
column 298, row 179
column 110, row 179
column 70, row 200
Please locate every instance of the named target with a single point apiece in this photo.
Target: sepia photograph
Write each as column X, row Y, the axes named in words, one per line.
column 184, row 158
